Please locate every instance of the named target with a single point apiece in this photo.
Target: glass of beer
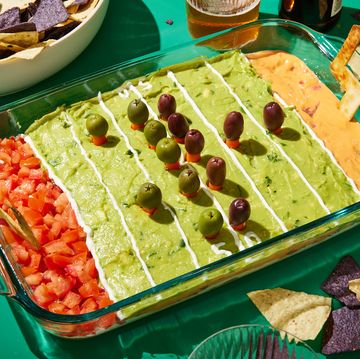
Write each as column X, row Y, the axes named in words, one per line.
column 208, row 16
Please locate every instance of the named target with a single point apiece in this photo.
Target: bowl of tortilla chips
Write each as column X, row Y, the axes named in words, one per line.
column 40, row 37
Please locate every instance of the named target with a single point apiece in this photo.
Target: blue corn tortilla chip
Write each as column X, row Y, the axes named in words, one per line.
column 337, row 284
column 48, row 14
column 22, row 27
column 342, row 331
column 10, row 18
column 57, row 33
column 80, row 2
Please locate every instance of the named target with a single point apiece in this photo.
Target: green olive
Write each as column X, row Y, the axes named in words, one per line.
column 210, row 222
column 154, row 131
column 149, row 196
column 168, row 151
column 137, row 112
column 189, row 182
column 97, row 125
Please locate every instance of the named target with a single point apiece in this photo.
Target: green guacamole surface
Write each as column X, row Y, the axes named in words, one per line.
column 100, row 176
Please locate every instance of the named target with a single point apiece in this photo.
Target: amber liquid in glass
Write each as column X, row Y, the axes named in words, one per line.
column 202, row 23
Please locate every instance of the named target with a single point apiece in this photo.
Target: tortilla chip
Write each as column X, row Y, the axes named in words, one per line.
column 10, row 18
column 22, row 27
column 298, row 313
column 80, row 2
column 11, row 47
column 30, row 53
column 84, row 11
column 337, row 284
column 48, row 14
column 342, row 331
column 348, row 81
column 354, row 286
column 24, row 39
column 57, row 33
column 72, row 6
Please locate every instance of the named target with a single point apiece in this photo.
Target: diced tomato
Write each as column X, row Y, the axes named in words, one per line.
column 55, row 261
column 5, row 158
column 41, row 233
column 15, row 158
column 61, row 203
column 106, row 321
column 8, row 234
column 55, row 230
column 89, row 289
column 90, row 268
column 58, row 246
column 36, row 174
column 43, row 296
column 55, row 191
column 30, row 162
column 57, row 308
column 70, row 236
column 72, row 221
column 34, row 279
column 26, row 151
column 10, row 183
column 103, row 300
column 20, row 253
column 63, row 269
column 36, row 204
column 49, row 220
column 74, row 311
column 72, row 299
column 27, row 186
column 28, row 270
column 24, row 172
column 35, row 259
column 80, row 258
column 60, row 285
column 50, row 274
column 79, row 246
column 59, row 218
column 77, row 271
column 33, row 218
column 89, row 305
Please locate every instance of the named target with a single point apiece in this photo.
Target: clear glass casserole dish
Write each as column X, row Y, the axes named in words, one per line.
column 313, row 48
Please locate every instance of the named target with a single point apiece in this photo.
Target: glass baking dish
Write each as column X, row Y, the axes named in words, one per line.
column 313, row 48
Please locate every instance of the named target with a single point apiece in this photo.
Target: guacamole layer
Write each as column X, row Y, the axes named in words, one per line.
column 289, row 180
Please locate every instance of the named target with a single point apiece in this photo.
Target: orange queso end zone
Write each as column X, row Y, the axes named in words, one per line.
column 318, row 106
column 62, row 273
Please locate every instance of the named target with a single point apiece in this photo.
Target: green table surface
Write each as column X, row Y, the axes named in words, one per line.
column 133, row 28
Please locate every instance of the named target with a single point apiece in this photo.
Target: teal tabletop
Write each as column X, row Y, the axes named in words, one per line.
column 133, row 28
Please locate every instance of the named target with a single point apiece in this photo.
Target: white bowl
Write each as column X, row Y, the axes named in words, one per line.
column 18, row 74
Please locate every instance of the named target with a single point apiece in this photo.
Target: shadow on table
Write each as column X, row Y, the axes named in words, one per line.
column 129, row 30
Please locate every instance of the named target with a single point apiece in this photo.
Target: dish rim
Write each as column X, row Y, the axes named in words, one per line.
column 18, row 291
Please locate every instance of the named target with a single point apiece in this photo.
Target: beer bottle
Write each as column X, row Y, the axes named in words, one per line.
column 320, row 15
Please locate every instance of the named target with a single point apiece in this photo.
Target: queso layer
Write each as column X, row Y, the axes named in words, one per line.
column 318, row 106
column 289, row 180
